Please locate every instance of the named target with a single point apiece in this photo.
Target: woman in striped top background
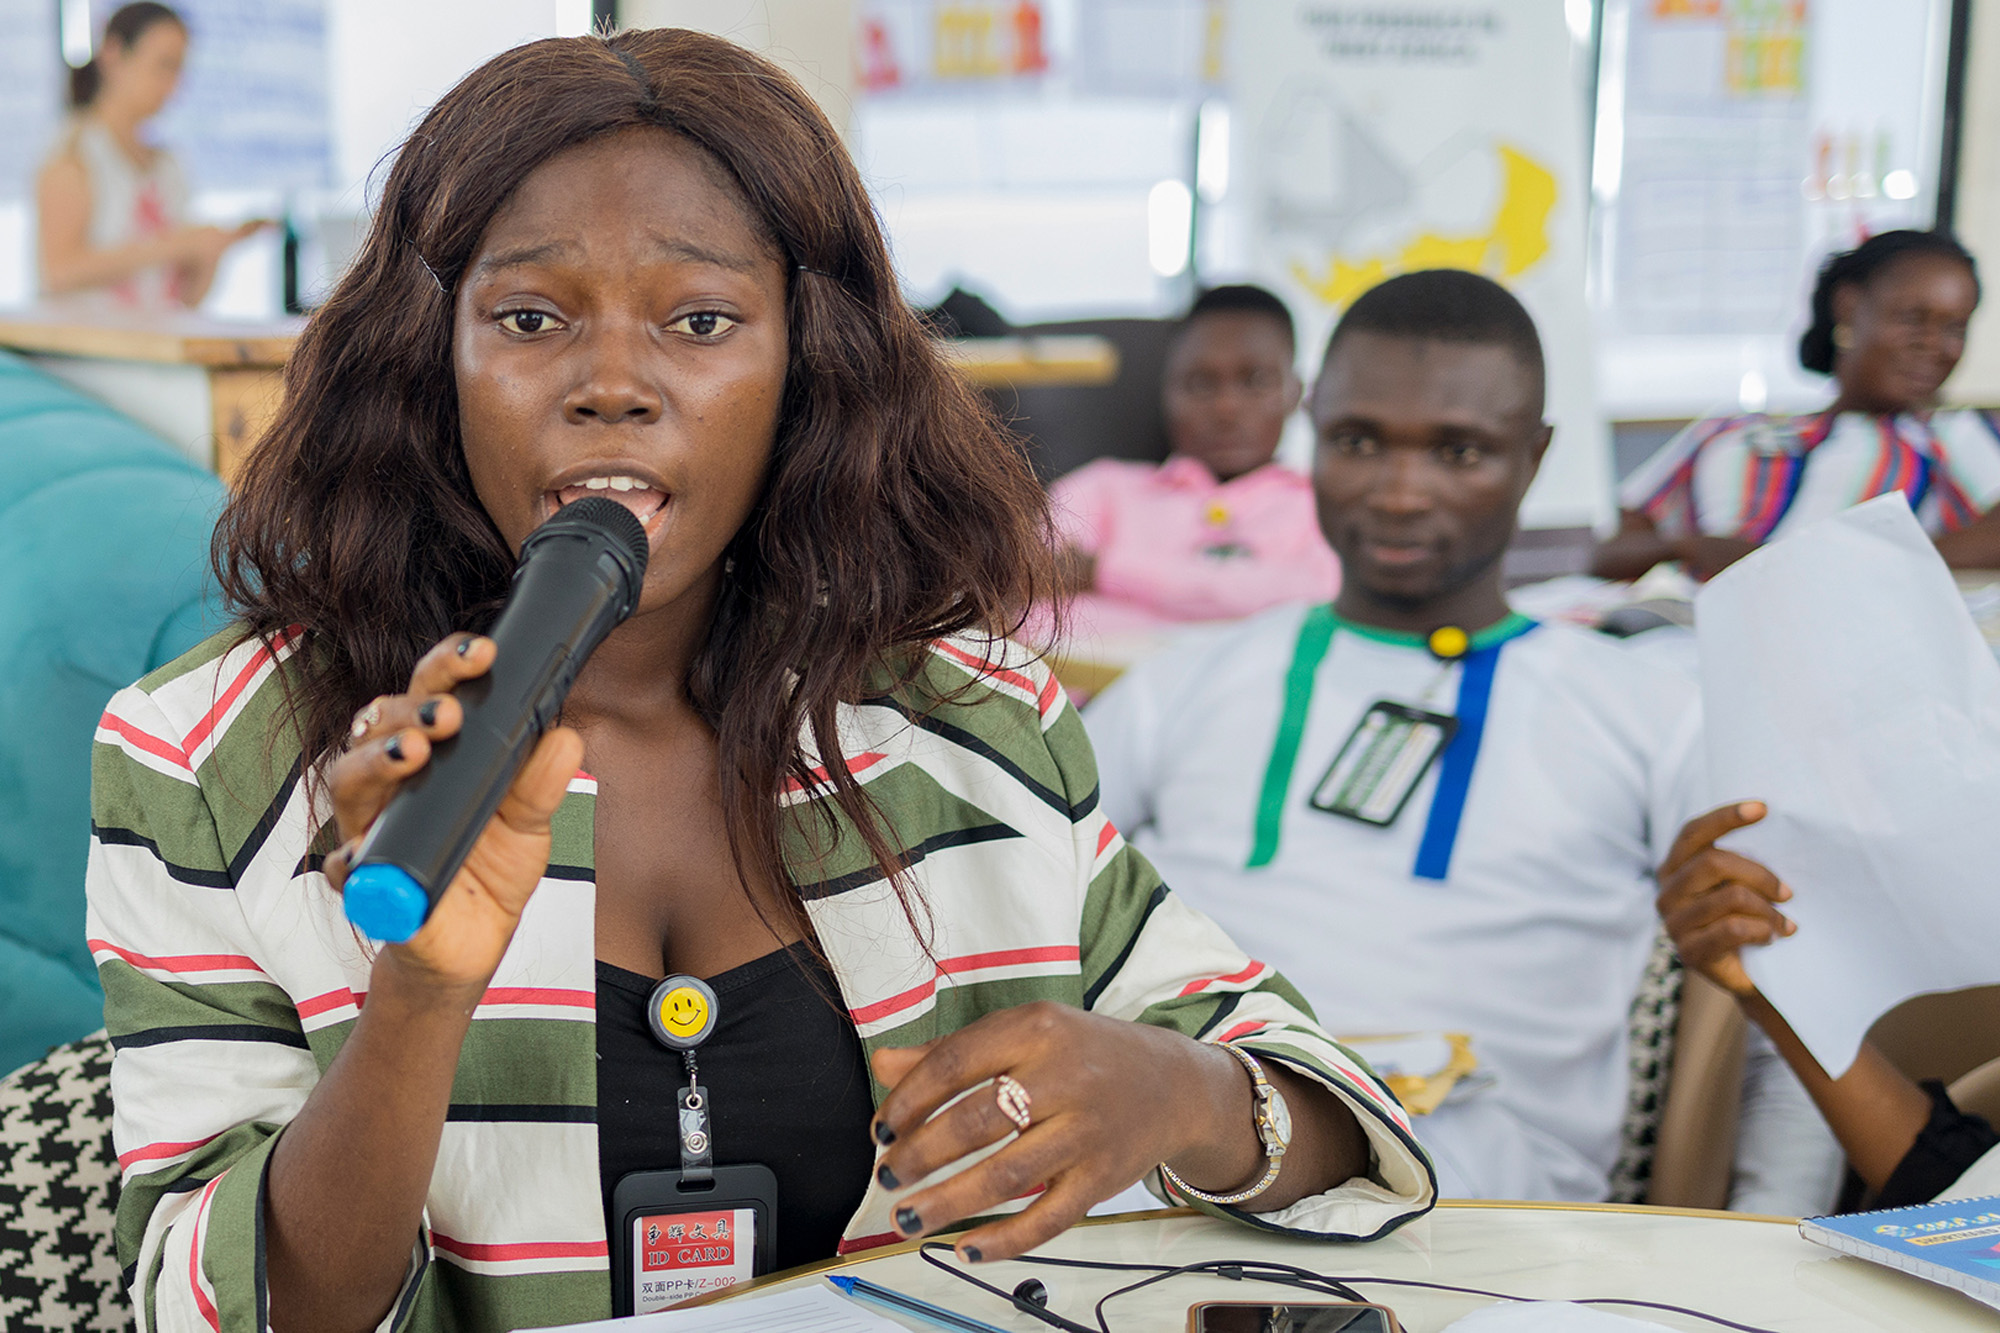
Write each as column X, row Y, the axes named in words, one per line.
column 807, row 769
column 1888, row 323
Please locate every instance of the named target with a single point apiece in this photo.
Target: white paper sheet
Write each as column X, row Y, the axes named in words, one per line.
column 814, row 1309
column 1845, row 685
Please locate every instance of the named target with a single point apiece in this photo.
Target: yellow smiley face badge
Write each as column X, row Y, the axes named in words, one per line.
column 682, row 1012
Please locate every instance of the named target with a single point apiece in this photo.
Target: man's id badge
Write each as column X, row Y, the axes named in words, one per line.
column 676, row 1240
column 1382, row 761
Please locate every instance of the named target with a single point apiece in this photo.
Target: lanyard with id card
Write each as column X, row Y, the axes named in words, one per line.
column 681, row 1234
column 1384, row 759
column 1394, row 745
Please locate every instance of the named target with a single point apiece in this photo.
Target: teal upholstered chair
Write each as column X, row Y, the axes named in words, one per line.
column 104, row 534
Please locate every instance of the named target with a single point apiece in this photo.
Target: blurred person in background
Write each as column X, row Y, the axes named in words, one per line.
column 1888, row 324
column 110, row 205
column 1220, row 530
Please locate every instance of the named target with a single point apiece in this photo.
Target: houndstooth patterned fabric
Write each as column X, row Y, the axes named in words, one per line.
column 1655, row 1012
column 59, row 1195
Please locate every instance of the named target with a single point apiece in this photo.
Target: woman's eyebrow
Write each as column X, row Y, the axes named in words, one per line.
column 677, row 249
column 685, row 251
column 526, row 254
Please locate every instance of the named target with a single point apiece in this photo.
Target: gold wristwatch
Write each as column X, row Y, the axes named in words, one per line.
column 1273, row 1120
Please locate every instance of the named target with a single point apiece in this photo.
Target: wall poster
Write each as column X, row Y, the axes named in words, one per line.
column 1354, row 160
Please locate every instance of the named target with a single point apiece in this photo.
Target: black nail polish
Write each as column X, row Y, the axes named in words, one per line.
column 908, row 1222
column 887, row 1177
column 971, row 1253
column 428, row 714
column 393, row 747
column 883, row 1134
column 465, row 646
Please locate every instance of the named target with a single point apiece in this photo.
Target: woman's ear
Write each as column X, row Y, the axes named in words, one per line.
column 109, row 56
column 1846, row 299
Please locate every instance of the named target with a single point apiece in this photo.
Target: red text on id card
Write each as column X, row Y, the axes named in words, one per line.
column 682, row 1255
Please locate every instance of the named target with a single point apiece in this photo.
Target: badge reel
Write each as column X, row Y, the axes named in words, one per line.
column 679, row 1234
column 1384, row 759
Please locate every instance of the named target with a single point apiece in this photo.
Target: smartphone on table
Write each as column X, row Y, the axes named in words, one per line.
column 1293, row 1317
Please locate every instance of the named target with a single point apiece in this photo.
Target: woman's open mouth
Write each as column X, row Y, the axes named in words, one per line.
column 648, row 503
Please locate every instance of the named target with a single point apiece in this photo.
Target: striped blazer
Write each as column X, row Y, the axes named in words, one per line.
column 231, row 977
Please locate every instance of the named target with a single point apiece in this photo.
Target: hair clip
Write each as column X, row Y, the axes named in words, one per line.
column 428, row 269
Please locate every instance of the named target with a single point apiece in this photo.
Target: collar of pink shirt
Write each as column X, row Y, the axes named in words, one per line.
column 1180, row 473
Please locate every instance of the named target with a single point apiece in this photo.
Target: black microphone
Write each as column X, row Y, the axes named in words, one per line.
column 579, row 577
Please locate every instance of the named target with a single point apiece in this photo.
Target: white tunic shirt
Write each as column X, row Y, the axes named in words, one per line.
column 1534, row 940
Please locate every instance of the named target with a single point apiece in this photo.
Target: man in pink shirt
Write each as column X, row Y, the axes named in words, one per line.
column 1219, row 530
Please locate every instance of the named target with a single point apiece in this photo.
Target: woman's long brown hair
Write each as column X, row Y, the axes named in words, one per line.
column 896, row 510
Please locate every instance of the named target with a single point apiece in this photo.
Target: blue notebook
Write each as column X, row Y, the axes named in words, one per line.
column 1955, row 1243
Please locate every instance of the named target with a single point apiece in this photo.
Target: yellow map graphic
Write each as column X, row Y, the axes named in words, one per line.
column 1513, row 244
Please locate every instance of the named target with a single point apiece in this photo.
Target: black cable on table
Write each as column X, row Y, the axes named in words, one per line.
column 1261, row 1270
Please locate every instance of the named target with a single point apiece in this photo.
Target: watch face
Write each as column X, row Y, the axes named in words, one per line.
column 1281, row 1119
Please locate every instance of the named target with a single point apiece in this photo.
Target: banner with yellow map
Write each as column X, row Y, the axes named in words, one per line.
column 1377, row 137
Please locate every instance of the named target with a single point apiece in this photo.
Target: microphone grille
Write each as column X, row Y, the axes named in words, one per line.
column 608, row 518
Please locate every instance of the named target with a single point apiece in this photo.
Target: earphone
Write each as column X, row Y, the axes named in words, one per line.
column 1031, row 1295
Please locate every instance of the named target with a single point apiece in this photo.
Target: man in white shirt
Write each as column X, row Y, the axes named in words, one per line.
column 1432, row 813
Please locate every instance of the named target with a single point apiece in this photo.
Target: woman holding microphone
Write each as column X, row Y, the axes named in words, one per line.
column 807, row 779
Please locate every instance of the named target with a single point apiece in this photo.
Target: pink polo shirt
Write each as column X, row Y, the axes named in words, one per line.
column 1172, row 543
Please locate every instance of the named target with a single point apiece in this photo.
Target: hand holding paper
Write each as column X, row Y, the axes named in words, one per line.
column 1846, row 687
column 1714, row 901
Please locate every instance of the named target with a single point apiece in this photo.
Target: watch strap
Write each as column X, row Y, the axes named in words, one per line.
column 1261, row 1093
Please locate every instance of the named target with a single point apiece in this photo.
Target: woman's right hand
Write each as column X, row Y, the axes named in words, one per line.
column 1714, row 902
column 200, row 244
column 460, row 946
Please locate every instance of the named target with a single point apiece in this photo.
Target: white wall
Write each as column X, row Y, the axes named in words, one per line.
column 813, row 40
column 1037, row 205
column 392, row 58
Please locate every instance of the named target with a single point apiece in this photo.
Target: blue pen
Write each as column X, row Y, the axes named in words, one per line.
column 863, row 1290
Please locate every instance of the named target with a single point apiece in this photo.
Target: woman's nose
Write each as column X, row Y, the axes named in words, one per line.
column 616, row 384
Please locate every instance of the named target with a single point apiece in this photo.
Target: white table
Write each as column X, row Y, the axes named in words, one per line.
column 1753, row 1270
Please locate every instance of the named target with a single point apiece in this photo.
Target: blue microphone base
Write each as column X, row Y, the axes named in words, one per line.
column 385, row 902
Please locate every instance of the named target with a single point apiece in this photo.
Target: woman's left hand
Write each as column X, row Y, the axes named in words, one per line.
column 1110, row 1100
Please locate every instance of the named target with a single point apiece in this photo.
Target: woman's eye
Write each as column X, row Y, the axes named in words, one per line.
column 703, row 324
column 526, row 321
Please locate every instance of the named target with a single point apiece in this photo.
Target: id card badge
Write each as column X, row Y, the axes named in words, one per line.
column 1382, row 761
column 675, row 1239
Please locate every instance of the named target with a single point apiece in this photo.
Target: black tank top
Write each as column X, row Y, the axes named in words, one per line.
column 786, row 1075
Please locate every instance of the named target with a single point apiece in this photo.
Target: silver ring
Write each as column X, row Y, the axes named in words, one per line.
column 366, row 719
column 1014, row 1101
